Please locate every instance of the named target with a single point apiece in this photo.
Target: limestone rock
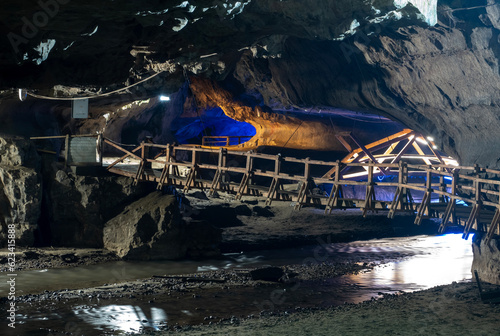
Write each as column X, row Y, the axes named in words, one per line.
column 20, row 190
column 18, row 152
column 152, row 229
column 78, row 206
column 486, row 259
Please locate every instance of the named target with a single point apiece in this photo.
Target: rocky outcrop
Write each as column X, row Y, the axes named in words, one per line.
column 78, row 206
column 152, row 228
column 272, row 129
column 486, row 259
column 20, row 190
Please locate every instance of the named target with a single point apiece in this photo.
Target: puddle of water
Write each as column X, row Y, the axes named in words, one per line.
column 435, row 260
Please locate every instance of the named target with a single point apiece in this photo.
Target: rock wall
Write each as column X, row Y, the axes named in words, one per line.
column 486, row 259
column 20, row 190
column 376, row 56
column 272, row 129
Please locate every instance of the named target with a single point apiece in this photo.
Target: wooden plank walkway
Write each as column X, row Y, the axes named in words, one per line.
column 468, row 196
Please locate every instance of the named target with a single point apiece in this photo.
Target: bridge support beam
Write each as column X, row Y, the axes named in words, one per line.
column 423, row 209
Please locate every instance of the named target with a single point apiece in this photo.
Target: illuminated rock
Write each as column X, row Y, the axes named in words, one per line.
column 272, row 129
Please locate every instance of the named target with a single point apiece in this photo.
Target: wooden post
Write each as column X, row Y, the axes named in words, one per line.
column 305, row 185
column 426, row 199
column 191, row 179
column 450, row 208
column 100, row 148
column 66, row 151
column 245, row 180
column 166, row 169
column 335, row 192
column 275, row 182
column 400, row 194
column 219, row 173
column 442, row 187
column 473, row 220
column 370, row 191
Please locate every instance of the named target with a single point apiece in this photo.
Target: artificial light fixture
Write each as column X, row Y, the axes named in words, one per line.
column 430, row 138
column 164, row 98
column 22, row 94
column 422, row 141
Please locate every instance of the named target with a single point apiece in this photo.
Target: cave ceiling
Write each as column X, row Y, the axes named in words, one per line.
column 431, row 65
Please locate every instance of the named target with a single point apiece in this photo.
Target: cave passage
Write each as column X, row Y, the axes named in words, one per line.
column 212, row 123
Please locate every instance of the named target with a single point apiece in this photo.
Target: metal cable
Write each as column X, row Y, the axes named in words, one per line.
column 96, row 96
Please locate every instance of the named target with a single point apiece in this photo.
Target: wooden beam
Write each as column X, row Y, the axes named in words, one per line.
column 421, row 152
column 366, row 151
column 403, row 151
column 384, row 142
column 341, row 139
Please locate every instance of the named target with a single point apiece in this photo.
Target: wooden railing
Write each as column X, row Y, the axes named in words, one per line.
column 298, row 180
column 224, row 141
column 285, row 178
column 65, row 148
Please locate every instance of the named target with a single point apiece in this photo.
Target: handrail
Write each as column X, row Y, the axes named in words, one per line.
column 225, row 140
column 67, row 138
column 444, row 181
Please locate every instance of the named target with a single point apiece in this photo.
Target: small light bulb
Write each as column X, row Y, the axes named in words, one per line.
column 164, row 98
column 430, row 138
column 22, row 94
column 434, row 147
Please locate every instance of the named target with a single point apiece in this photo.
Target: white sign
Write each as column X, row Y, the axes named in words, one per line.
column 80, row 109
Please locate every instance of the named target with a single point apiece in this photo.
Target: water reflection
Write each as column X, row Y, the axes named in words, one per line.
column 125, row 318
column 447, row 258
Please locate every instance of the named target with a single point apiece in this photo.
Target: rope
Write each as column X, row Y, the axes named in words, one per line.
column 369, row 121
column 466, row 8
column 291, row 136
column 98, row 95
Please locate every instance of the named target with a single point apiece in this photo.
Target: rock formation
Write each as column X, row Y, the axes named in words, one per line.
column 272, row 129
column 486, row 259
column 152, row 228
column 20, row 190
column 78, row 206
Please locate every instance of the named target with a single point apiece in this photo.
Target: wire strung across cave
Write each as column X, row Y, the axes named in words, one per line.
column 34, row 95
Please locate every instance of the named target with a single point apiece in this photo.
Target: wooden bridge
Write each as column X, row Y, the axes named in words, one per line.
column 467, row 197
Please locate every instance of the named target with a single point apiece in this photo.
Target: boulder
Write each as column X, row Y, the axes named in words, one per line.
column 20, row 190
column 152, row 229
column 486, row 259
column 78, row 206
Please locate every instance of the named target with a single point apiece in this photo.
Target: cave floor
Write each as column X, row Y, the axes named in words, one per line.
column 453, row 309
column 312, row 298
